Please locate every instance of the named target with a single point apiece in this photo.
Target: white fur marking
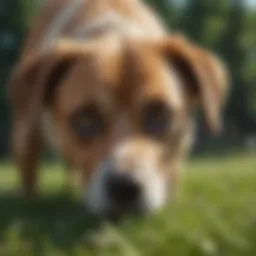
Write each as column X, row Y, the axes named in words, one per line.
column 61, row 20
column 145, row 172
column 96, row 199
column 113, row 22
column 108, row 20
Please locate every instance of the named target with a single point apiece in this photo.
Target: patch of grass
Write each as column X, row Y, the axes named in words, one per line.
column 216, row 215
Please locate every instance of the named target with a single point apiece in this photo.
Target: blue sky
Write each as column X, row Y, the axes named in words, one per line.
column 251, row 2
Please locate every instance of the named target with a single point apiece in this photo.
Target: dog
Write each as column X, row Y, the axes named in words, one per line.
column 105, row 85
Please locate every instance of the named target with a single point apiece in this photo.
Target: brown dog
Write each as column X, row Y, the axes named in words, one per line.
column 114, row 94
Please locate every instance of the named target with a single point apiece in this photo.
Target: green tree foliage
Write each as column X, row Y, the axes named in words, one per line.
column 232, row 49
column 14, row 19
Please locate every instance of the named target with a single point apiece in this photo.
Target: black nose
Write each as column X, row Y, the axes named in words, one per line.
column 123, row 189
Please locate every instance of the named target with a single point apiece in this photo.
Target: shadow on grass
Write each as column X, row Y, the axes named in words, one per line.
column 58, row 219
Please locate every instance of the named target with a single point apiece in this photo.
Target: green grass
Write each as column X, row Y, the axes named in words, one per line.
column 216, row 215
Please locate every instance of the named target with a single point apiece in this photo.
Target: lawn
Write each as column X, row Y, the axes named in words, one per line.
column 215, row 215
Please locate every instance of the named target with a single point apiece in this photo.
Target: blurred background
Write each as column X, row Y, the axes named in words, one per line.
column 217, row 213
column 225, row 26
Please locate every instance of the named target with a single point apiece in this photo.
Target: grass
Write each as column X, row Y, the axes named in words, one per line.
column 216, row 215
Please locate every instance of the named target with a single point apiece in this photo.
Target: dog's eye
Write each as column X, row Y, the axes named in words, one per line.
column 156, row 118
column 88, row 123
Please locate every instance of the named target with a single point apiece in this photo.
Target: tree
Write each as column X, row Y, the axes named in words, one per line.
column 231, row 48
column 14, row 16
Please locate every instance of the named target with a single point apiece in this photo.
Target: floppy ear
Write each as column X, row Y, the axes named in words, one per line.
column 32, row 85
column 33, row 81
column 203, row 75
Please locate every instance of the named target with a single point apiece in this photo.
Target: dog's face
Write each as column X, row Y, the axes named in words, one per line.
column 122, row 114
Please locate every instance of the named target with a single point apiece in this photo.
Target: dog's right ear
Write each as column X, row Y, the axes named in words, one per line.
column 34, row 79
column 38, row 74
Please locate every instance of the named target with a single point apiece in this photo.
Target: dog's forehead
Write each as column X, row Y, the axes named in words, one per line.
column 82, row 86
column 158, row 81
column 147, row 76
column 116, row 82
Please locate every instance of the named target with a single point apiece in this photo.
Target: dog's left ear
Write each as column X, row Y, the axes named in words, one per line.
column 204, row 76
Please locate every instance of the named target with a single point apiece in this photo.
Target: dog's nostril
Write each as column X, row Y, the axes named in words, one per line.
column 123, row 189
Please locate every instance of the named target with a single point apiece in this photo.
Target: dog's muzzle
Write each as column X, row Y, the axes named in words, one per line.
column 129, row 181
column 114, row 192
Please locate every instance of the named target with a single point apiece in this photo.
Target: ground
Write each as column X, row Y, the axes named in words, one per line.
column 215, row 215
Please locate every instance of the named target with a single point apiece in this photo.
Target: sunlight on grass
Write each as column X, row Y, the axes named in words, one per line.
column 216, row 215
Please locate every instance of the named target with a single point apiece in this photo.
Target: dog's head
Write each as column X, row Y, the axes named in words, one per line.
column 122, row 112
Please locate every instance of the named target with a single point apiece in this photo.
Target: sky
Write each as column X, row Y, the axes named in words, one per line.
column 251, row 2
